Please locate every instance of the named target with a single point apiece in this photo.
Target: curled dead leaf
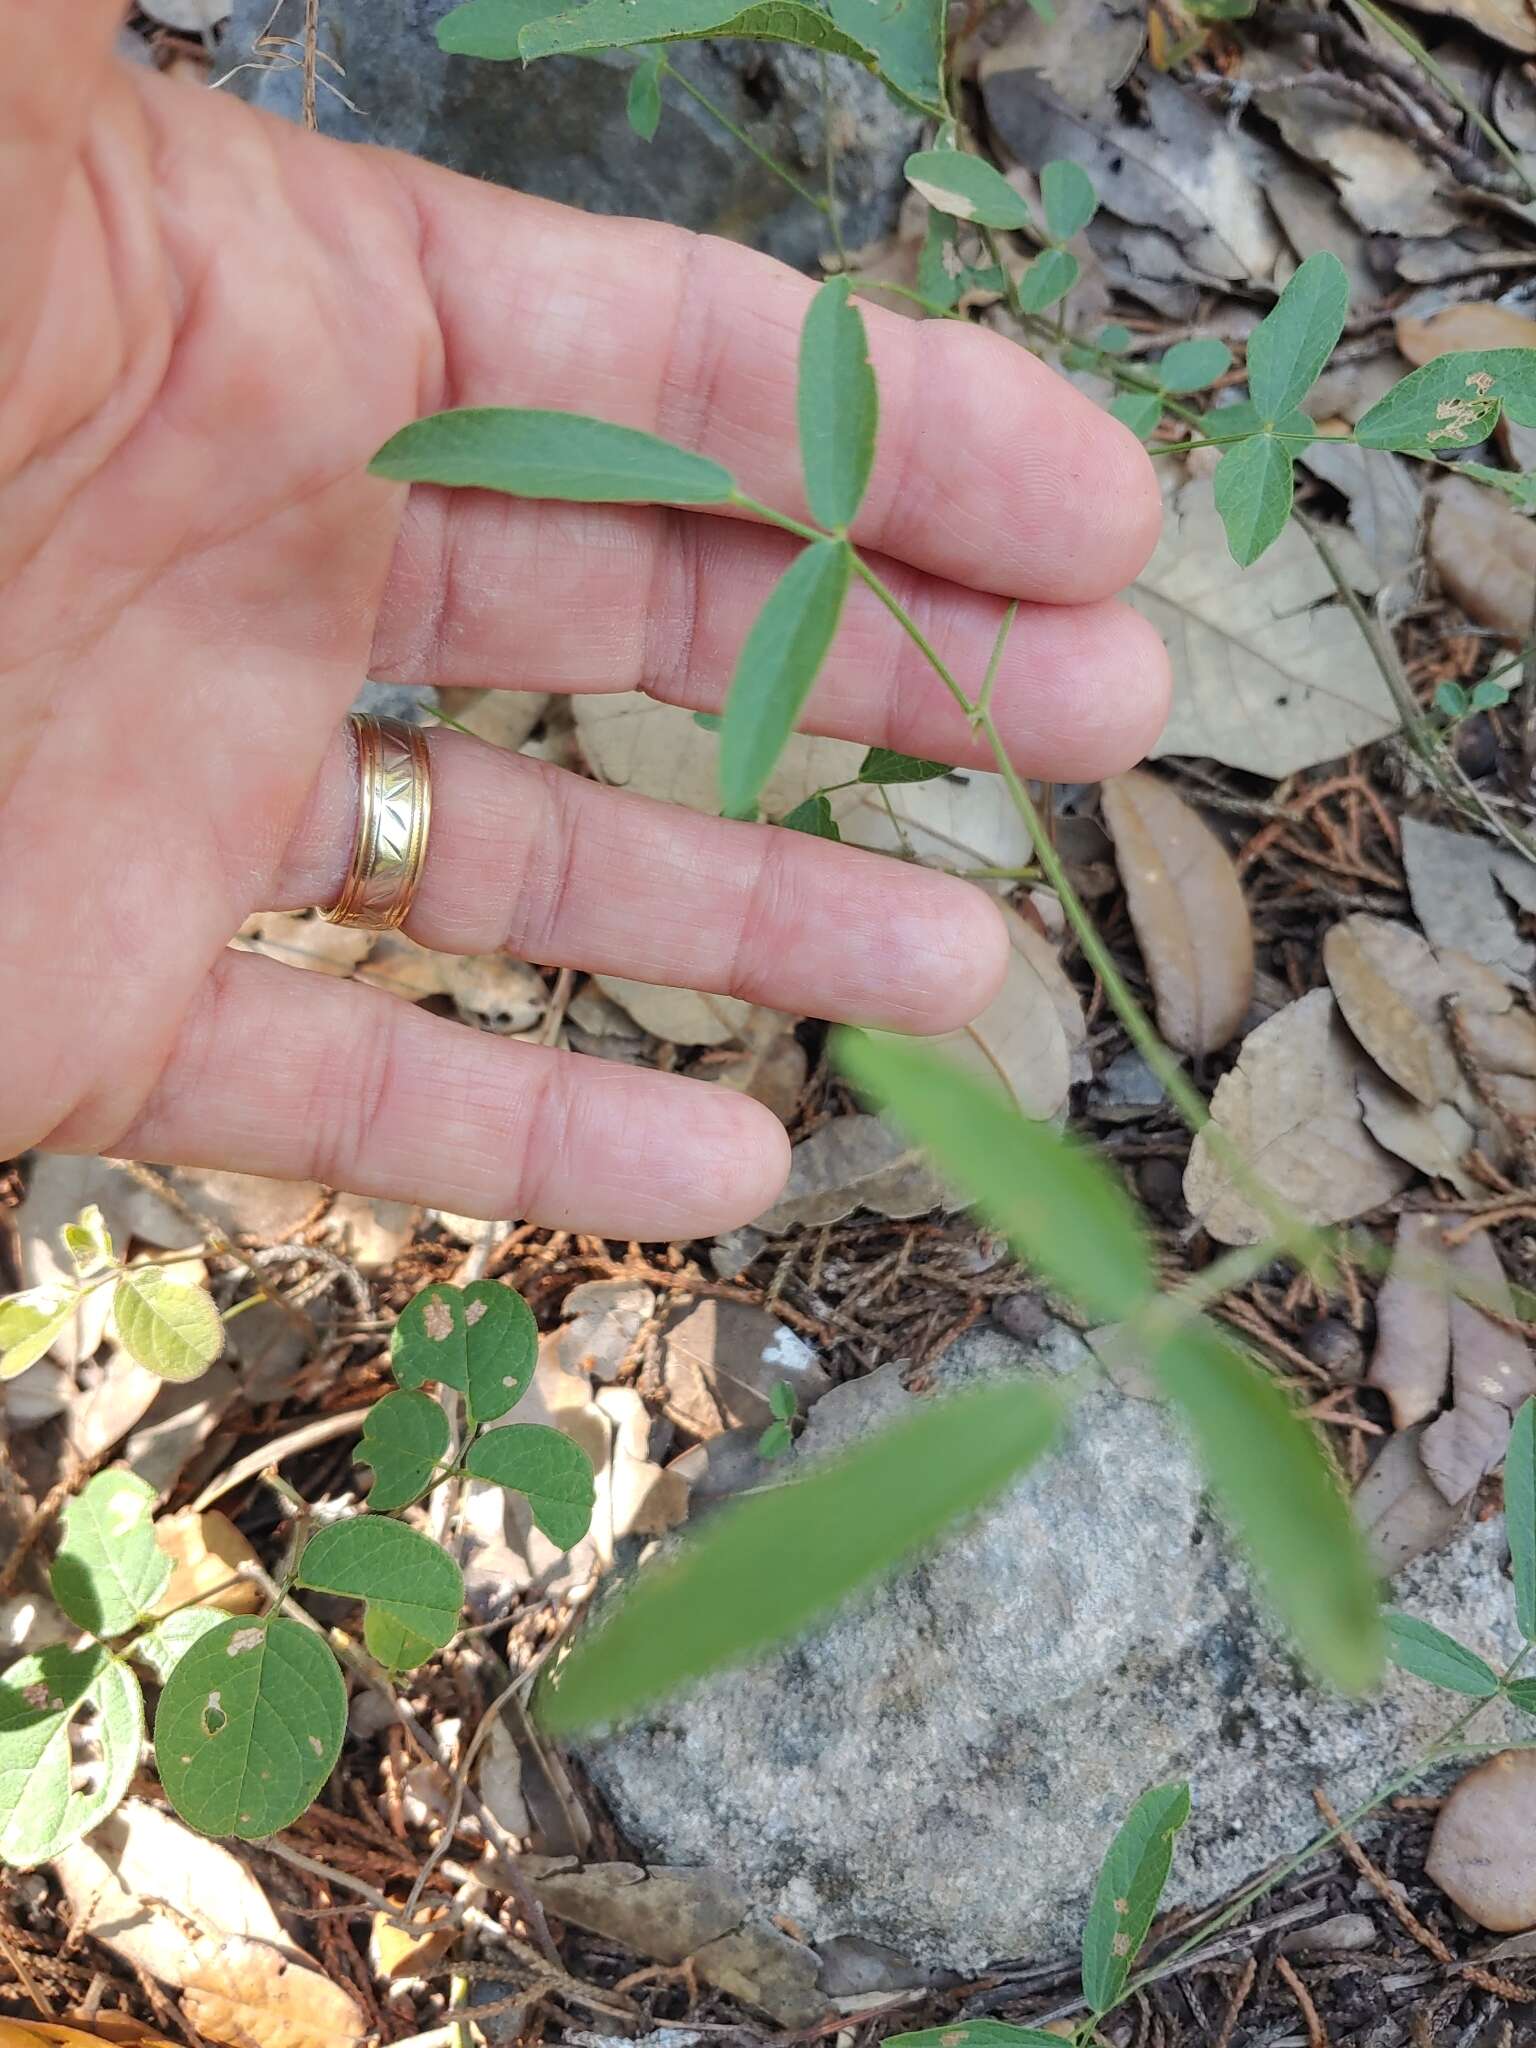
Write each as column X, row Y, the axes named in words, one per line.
column 1187, row 906
column 1491, row 1374
column 1411, row 1364
column 250, row 1995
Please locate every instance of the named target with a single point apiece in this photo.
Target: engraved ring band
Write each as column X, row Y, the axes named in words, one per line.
column 394, row 810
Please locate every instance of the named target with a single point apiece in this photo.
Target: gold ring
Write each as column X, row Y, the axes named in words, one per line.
column 394, row 809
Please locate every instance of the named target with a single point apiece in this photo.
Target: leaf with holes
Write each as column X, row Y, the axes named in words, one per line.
column 1520, row 1515
column 30, row 1325
column 531, row 454
column 110, row 1571
column 165, row 1324
column 642, row 108
column 813, row 815
column 777, row 666
column 405, row 1438
column 1277, row 1493
column 412, row 1591
column 1290, row 345
column 966, row 188
column 1049, row 278
column 249, row 1726
column 1453, row 402
column 1057, row 1206
column 553, row 1474
column 40, row 1809
column 766, row 1566
column 1066, row 192
column 162, row 1647
column 1429, row 1653
column 883, row 767
column 481, row 1340
column 839, row 407
column 1130, row 1883
column 1255, row 484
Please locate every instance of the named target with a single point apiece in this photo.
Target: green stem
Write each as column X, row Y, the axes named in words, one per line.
column 989, row 680
column 769, row 163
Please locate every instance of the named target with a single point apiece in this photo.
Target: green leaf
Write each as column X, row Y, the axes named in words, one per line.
column 839, row 407
column 1517, row 485
column 533, row 454
column 777, row 666
column 764, row 1567
column 966, row 188
column 1255, row 484
column 1114, row 339
column 775, row 1440
column 1454, row 402
column 1059, row 1208
column 110, row 1571
column 1430, row 1654
column 1489, row 695
column 1521, row 1692
column 813, row 814
column 553, row 1473
column 170, row 1326
column 412, row 1591
column 1049, row 278
column 489, row 28
column 250, row 1724
column 88, row 1240
column 708, row 721
column 1290, row 345
column 906, row 38
column 941, row 269
column 976, row 2033
column 1275, row 1490
column 782, row 1401
column 1130, row 1884
column 881, row 765
column 643, row 106
column 30, row 1325
column 1520, row 1515
column 162, row 1647
column 1140, row 411
column 1194, row 365
column 405, row 1438
column 630, row 24
column 1070, row 201
column 481, row 1340
column 1453, row 700
column 40, row 1812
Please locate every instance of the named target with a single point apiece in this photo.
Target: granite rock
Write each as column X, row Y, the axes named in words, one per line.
column 940, row 1769
column 557, row 128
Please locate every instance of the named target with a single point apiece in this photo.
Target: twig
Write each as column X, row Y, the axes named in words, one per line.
column 305, row 1438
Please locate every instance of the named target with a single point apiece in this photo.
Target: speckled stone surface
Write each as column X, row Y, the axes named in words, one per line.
column 941, row 1768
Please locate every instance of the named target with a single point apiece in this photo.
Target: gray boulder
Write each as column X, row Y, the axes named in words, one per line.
column 941, row 1768
column 558, row 128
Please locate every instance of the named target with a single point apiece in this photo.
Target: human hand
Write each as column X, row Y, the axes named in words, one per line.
column 210, row 321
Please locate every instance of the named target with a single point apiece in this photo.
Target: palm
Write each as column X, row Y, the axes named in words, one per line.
column 218, row 323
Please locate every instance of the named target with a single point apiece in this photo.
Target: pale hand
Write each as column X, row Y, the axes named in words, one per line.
column 209, row 321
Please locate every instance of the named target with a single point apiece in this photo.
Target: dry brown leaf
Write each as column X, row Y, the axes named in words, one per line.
column 1458, row 883
column 1480, row 1852
column 1436, row 1141
column 395, row 1951
column 635, row 743
column 206, row 1552
column 854, row 1162
column 773, row 1071
column 962, row 820
column 248, row 1995
column 721, row 1361
column 1187, row 906
column 681, row 1016
column 1401, row 1513
column 1491, row 1374
column 116, row 2028
column 1388, row 984
column 1411, row 1364
column 1484, row 553
column 398, row 964
column 302, row 938
column 1030, row 1034
column 1292, row 1109
column 503, row 718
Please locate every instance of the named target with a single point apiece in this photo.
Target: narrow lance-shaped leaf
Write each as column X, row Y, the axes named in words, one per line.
column 249, row 1726
column 405, row 1437
column 763, row 1568
column 41, row 1809
column 1255, row 484
column 643, row 105
column 1057, row 1206
column 1429, row 1653
column 839, row 407
column 412, row 1591
column 976, row 2033
column 966, row 188
column 1267, row 1471
column 109, row 1570
column 1070, row 202
column 553, row 1473
column 171, row 1326
column 1129, row 1886
column 779, row 663
column 531, row 454
column 1289, row 347
column 1520, row 1515
column 481, row 1340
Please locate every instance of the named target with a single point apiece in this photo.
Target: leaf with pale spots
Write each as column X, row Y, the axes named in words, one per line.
column 109, row 1570
column 1453, row 402
column 42, row 1807
column 249, row 1726
column 966, row 188
column 1130, row 1883
column 481, row 1340
column 412, row 1591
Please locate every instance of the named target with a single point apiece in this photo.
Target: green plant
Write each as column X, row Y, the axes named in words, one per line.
column 779, row 1436
column 253, row 1706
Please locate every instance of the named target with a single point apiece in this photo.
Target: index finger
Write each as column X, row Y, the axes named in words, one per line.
column 990, row 470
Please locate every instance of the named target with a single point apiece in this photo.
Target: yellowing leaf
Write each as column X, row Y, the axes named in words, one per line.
column 164, row 1324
